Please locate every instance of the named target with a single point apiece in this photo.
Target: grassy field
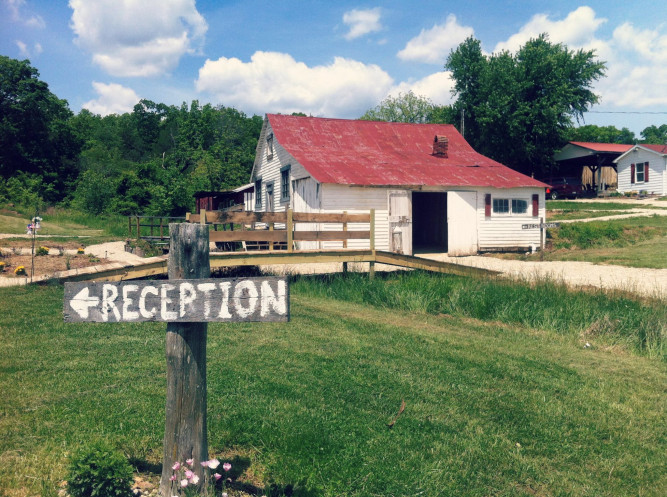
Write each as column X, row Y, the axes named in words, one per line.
column 65, row 223
column 496, row 404
column 560, row 210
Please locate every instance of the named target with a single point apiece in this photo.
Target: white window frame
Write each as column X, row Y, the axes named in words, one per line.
column 643, row 166
column 511, row 207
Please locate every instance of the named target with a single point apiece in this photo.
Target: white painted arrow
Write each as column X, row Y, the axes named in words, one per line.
column 82, row 301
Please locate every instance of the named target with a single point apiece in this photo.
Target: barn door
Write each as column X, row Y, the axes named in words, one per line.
column 462, row 223
column 306, row 199
column 400, row 221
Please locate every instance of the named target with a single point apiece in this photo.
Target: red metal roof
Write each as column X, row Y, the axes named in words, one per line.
column 604, row 147
column 372, row 153
column 661, row 149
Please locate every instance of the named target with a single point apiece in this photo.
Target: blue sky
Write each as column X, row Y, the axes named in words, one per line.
column 325, row 58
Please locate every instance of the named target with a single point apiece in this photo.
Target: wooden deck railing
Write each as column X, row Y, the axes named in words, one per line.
column 274, row 228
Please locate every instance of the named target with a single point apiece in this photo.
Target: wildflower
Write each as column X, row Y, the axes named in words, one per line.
column 189, row 462
column 213, row 463
column 217, row 476
column 226, row 466
column 224, row 494
column 194, row 480
column 189, row 474
column 184, row 483
column 204, row 464
column 176, row 466
column 172, row 478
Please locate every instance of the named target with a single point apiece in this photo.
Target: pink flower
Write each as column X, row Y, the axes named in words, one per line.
column 226, row 466
column 176, row 466
column 204, row 464
column 189, row 461
column 184, row 483
column 213, row 463
column 224, row 494
column 217, row 476
column 189, row 474
column 194, row 480
column 173, row 478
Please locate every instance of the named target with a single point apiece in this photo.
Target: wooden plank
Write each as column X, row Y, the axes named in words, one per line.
column 323, row 217
column 178, row 301
column 430, row 265
column 249, row 236
column 290, row 230
column 327, row 236
column 260, row 258
column 245, row 217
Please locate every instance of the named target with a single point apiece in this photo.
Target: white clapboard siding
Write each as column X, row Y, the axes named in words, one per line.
column 357, row 200
column 657, row 178
column 505, row 231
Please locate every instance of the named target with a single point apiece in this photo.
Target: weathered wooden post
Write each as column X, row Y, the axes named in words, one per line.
column 185, row 434
column 371, row 269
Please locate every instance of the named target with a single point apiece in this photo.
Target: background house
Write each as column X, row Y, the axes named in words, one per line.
column 430, row 190
column 593, row 163
column 643, row 168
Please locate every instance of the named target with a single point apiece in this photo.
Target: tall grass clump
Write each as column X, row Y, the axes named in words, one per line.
column 545, row 304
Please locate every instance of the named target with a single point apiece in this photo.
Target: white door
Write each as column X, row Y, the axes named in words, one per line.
column 306, row 199
column 400, row 221
column 462, row 223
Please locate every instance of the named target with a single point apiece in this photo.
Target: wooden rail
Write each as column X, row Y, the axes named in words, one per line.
column 149, row 223
column 278, row 228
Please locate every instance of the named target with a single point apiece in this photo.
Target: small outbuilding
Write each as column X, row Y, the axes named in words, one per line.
column 430, row 190
column 643, row 168
column 591, row 162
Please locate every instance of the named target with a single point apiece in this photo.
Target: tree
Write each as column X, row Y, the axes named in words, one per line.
column 518, row 107
column 36, row 137
column 600, row 134
column 656, row 135
column 405, row 108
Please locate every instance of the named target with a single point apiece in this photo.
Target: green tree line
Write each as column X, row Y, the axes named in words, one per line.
column 148, row 161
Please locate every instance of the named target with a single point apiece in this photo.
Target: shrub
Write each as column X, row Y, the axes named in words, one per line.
column 42, row 251
column 99, row 471
column 20, row 271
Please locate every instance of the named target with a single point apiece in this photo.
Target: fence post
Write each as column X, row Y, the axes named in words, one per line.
column 138, row 227
column 185, row 434
column 271, row 242
column 345, row 240
column 371, row 269
column 290, row 231
column 129, row 226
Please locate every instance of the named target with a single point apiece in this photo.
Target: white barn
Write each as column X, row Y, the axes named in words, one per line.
column 643, row 168
column 430, row 190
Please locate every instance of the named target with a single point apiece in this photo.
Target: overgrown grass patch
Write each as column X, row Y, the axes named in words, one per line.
column 611, row 233
column 613, row 320
column 567, row 205
column 491, row 408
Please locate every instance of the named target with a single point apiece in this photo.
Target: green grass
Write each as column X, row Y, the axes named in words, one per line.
column 492, row 407
column 66, row 223
column 566, row 205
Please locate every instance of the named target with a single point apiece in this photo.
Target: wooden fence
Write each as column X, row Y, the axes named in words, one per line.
column 151, row 228
column 277, row 230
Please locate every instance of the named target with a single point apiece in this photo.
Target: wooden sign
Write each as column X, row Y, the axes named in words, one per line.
column 184, row 301
column 540, row 226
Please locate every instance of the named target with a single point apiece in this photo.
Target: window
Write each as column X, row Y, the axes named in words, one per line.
column 641, row 172
column 258, row 194
column 510, row 206
column 519, row 206
column 269, row 146
column 501, row 206
column 284, row 184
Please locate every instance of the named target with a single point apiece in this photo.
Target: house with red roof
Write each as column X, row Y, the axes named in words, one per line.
column 591, row 163
column 643, row 168
column 430, row 190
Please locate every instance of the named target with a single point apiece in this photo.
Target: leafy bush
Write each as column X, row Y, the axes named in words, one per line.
column 99, row 471
column 42, row 251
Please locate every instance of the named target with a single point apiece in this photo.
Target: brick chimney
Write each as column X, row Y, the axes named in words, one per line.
column 440, row 146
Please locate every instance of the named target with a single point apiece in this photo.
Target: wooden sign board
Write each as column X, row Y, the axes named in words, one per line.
column 540, row 226
column 185, row 301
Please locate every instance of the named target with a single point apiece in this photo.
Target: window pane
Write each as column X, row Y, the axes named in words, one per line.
column 501, row 205
column 640, row 172
column 519, row 206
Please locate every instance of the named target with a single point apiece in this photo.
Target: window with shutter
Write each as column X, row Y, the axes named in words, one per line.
column 536, row 205
column 487, row 205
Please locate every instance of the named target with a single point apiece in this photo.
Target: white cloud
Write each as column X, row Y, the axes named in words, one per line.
column 362, row 22
column 112, row 99
column 436, row 87
column 16, row 8
column 636, row 59
column 576, row 30
column 275, row 82
column 433, row 45
column 24, row 51
column 137, row 37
